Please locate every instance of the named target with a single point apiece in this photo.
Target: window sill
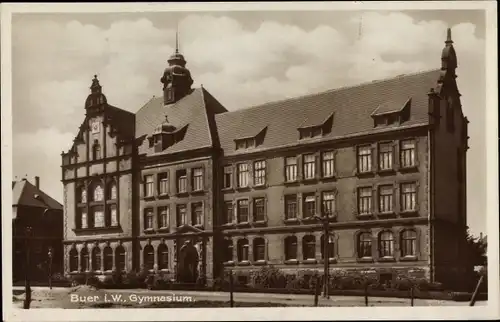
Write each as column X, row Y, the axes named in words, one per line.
column 148, row 198
column 227, row 189
column 291, row 262
column 386, row 171
column 148, row 230
column 309, row 261
column 408, row 258
column 408, row 168
column 386, row 214
column 260, row 262
column 163, row 229
column 365, row 173
column 364, row 260
column 243, row 224
column 96, row 229
column 260, row 223
column 292, row 221
column 330, row 177
column 164, row 196
column 409, row 213
column 244, row 263
column 164, row 270
column 365, row 216
column 386, row 259
column 198, row 192
column 309, row 219
column 228, row 263
column 199, row 226
column 182, row 194
column 330, row 260
column 260, row 186
column 246, row 188
column 228, row 225
column 291, row 183
column 309, row 180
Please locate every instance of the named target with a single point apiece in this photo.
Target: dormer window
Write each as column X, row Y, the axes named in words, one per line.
column 316, row 126
column 392, row 112
column 310, row 133
column 251, row 141
column 245, row 144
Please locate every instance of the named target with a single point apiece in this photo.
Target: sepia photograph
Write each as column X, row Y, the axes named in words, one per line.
column 198, row 157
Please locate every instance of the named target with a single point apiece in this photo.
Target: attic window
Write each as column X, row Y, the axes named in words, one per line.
column 312, row 132
column 245, row 143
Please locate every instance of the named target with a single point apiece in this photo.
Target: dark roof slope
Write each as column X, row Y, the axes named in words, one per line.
column 121, row 120
column 195, row 111
column 26, row 194
column 351, row 106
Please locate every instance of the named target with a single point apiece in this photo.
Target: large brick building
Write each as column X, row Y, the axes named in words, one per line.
column 187, row 187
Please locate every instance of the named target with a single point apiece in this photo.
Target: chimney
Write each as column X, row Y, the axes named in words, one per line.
column 37, row 182
column 481, row 236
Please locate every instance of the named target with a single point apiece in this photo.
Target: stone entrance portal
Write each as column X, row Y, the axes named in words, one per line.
column 187, row 271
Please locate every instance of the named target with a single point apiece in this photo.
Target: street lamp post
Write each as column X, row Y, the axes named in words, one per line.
column 50, row 253
column 27, row 282
column 326, row 244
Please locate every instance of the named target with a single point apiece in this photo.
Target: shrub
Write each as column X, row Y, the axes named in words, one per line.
column 93, row 281
column 117, row 277
column 268, row 277
column 78, row 279
column 201, row 280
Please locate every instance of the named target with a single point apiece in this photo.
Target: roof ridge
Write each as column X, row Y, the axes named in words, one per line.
column 145, row 104
column 205, row 110
column 336, row 89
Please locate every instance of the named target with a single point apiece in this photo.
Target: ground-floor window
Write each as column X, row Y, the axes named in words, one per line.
column 149, row 257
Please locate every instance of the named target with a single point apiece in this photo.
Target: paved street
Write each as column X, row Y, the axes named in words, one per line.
column 61, row 298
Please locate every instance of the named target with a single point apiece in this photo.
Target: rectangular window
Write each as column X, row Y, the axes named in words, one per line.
column 290, row 169
column 385, row 156
column 163, row 217
column 148, row 218
column 198, row 179
column 242, row 210
column 364, row 159
column 228, row 206
column 197, row 214
column 309, row 206
column 328, row 164
column 385, row 201
column 259, row 211
column 408, row 197
column 259, row 172
column 245, row 144
column 291, row 207
column 228, row 177
column 163, row 183
column 364, row 201
column 114, row 215
column 309, row 166
column 148, row 186
column 181, row 181
column 83, row 220
column 181, row 215
column 242, row 175
column 408, row 153
column 328, row 204
column 98, row 213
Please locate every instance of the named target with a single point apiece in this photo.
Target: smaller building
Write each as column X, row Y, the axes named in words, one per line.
column 39, row 217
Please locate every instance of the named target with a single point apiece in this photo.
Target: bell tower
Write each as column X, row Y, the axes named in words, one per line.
column 176, row 78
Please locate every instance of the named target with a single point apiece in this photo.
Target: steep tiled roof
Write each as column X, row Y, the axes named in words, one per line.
column 195, row 110
column 26, row 194
column 352, row 108
column 121, row 120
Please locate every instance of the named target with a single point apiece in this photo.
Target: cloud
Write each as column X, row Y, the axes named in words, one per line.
column 241, row 66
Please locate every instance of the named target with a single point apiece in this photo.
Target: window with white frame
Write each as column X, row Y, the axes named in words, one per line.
column 198, row 179
column 386, row 244
column 290, row 206
column 408, row 196
column 364, row 245
column 259, row 249
column 328, row 203
column 309, row 166
column 309, row 247
column 385, row 156
column 259, row 172
column 83, row 218
column 197, row 214
column 408, row 153
column 148, row 186
column 290, row 169
column 228, row 177
column 242, row 210
column 163, row 183
column 291, row 248
column 259, row 211
column 328, row 164
column 243, row 250
column 364, row 200
column 408, row 242
column 181, row 215
column 331, row 247
column 148, row 218
column 242, row 175
column 98, row 193
column 181, row 181
column 98, row 214
column 163, row 217
column 385, row 201
column 364, row 159
column 113, row 212
column 229, row 212
column 309, row 205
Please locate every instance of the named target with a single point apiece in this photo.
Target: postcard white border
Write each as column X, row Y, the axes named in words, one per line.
column 344, row 313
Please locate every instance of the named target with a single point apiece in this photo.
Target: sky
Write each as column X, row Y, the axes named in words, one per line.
column 242, row 58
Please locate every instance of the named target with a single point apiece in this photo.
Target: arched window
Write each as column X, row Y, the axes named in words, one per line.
column 162, row 256
column 309, row 247
column 364, row 245
column 73, row 260
column 228, row 250
column 259, row 249
column 96, row 150
column 97, row 192
column 149, row 257
column 96, row 258
column 243, row 250
column 331, row 246
column 108, row 258
column 82, row 194
column 84, row 258
column 291, row 247
column 120, row 258
column 112, row 191
column 408, row 242
column 386, row 244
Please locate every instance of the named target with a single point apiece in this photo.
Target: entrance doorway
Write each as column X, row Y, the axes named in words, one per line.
column 188, row 263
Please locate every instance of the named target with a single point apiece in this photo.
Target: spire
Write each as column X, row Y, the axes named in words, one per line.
column 95, row 87
column 448, row 55
column 448, row 37
column 177, row 39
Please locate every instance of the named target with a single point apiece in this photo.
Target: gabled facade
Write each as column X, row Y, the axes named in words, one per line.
column 200, row 189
